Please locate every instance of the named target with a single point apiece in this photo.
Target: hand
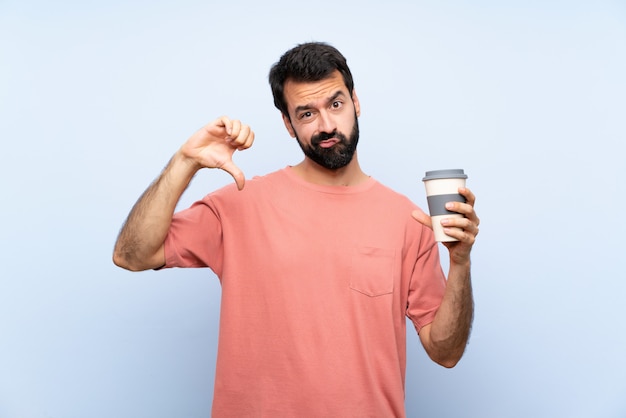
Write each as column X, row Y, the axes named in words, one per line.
column 213, row 146
column 464, row 229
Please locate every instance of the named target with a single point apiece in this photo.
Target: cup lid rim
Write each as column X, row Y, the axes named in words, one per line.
column 454, row 173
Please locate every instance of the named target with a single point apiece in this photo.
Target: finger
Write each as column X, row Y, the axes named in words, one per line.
column 469, row 196
column 248, row 142
column 471, row 201
column 235, row 129
column 460, row 225
column 242, row 136
column 459, row 207
column 465, row 209
column 226, row 123
column 237, row 174
column 462, row 235
column 422, row 218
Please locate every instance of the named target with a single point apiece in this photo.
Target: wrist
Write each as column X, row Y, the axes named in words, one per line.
column 462, row 262
column 184, row 164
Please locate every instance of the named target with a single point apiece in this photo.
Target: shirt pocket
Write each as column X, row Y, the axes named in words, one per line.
column 371, row 272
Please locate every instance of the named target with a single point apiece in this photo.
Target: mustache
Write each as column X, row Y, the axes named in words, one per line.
column 323, row 136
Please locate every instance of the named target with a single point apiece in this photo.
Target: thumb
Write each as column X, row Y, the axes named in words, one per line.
column 422, row 218
column 233, row 170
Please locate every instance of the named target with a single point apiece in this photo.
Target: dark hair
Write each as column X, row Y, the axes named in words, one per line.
column 308, row 62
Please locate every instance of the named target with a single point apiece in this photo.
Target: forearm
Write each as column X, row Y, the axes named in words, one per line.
column 140, row 243
column 450, row 330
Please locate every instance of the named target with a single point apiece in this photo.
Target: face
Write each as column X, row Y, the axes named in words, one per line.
column 324, row 120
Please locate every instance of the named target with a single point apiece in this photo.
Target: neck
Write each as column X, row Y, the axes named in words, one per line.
column 350, row 175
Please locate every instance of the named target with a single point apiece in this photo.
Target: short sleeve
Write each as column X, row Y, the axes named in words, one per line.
column 195, row 237
column 427, row 286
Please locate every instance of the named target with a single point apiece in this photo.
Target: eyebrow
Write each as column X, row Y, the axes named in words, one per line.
column 308, row 106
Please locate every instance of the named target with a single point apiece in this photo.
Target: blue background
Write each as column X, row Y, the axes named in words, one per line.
column 527, row 96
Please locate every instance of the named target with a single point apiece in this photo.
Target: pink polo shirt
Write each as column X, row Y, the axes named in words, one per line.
column 317, row 283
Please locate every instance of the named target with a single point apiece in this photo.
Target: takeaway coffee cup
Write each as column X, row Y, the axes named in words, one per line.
column 442, row 186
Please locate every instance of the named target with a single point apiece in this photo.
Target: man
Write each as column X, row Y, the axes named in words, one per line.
column 319, row 263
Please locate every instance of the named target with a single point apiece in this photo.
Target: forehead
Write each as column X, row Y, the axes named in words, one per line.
column 313, row 93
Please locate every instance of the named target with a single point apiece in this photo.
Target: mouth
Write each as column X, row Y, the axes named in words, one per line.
column 327, row 143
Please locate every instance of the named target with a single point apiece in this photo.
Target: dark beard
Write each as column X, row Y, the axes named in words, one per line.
column 337, row 156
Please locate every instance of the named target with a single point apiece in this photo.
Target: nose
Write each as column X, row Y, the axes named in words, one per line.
column 326, row 123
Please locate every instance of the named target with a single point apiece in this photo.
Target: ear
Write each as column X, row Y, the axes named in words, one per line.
column 357, row 105
column 287, row 123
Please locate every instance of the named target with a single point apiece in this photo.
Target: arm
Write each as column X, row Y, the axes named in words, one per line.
column 446, row 337
column 140, row 244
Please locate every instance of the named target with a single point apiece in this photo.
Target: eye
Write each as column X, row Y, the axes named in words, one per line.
column 337, row 104
column 305, row 115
